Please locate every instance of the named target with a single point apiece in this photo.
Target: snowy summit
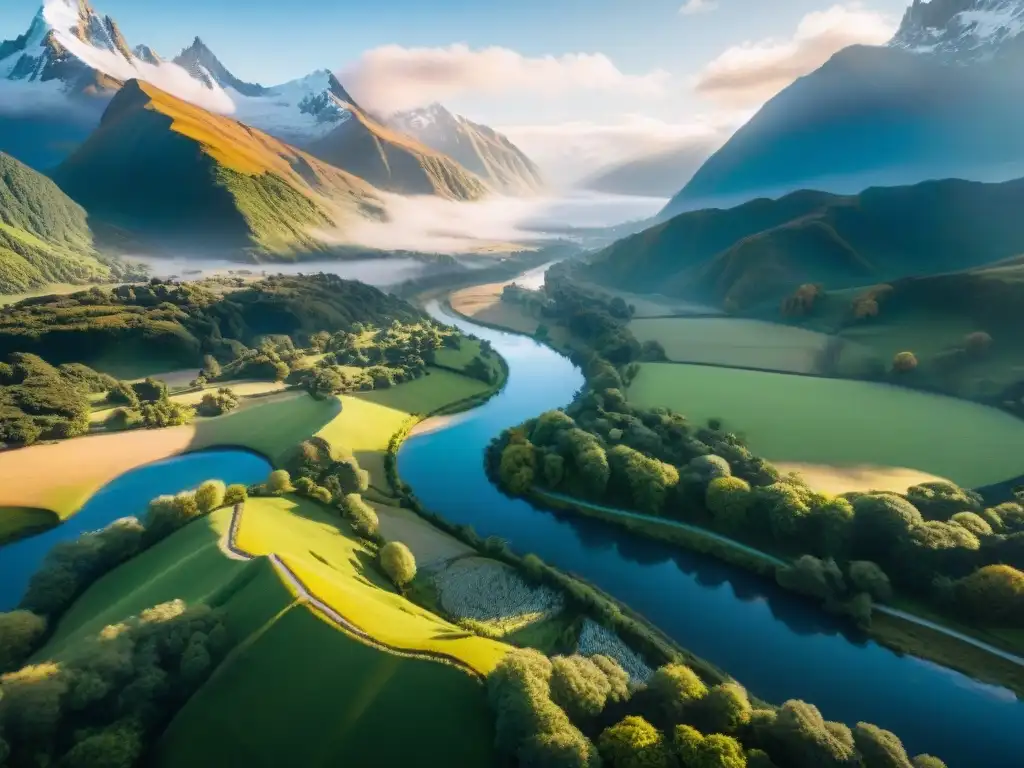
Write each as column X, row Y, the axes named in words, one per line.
column 962, row 30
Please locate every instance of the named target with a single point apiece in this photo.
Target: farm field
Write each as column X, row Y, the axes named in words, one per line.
column 734, row 341
column 303, row 693
column 835, row 422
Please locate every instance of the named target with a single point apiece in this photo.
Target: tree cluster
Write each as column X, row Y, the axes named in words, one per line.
column 41, row 402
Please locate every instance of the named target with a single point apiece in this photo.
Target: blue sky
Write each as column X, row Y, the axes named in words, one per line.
column 650, row 66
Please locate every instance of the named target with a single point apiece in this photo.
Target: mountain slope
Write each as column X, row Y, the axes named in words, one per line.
column 394, row 162
column 653, row 175
column 478, row 148
column 157, row 163
column 870, row 116
column 764, row 248
column 44, row 235
column 200, row 62
column 963, row 30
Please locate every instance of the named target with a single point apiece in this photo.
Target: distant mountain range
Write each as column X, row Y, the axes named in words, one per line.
column 61, row 99
column 765, row 248
column 44, row 235
column 166, row 170
column 653, row 175
column 945, row 98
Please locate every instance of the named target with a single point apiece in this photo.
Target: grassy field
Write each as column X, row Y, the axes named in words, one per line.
column 733, row 341
column 834, row 422
column 369, row 419
column 336, row 568
column 16, row 522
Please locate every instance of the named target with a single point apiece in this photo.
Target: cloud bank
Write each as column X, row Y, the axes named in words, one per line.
column 692, row 7
column 753, row 72
column 62, row 16
column 392, row 77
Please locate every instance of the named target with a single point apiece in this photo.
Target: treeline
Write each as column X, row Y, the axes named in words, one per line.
column 580, row 712
column 937, row 541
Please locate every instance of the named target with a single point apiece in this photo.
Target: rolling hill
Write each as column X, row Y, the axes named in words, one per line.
column 156, row 163
column 392, row 161
column 765, row 248
column 478, row 148
column 942, row 99
column 44, row 235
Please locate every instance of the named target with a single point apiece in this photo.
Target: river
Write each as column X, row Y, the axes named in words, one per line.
column 778, row 645
column 125, row 496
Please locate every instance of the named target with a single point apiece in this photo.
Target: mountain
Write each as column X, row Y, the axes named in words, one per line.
column 945, row 98
column 44, row 235
column 766, row 248
column 652, row 175
column 392, row 161
column 478, row 148
column 200, row 63
column 167, row 170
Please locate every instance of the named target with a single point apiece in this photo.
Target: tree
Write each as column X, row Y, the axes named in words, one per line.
column 813, row 577
column 993, row 594
column 676, row 687
column 119, row 746
column 757, row 758
column 645, row 481
column 578, row 686
column 166, row 514
column 554, row 469
column 19, row 633
column 974, row 523
column 563, row 748
column 361, row 516
column 633, row 743
column 217, row 403
column 398, row 563
column 714, row 751
column 235, row 494
column 927, row 761
column 210, row 496
column 879, row 748
column 940, row 500
column 518, row 467
column 726, row 708
column 729, row 499
column 279, row 482
column 867, row 576
column 904, row 362
column 1011, row 516
column 211, row 370
column 150, row 390
column 709, row 467
column 618, row 678
column 977, row 344
column 806, row 740
column 122, row 394
column 345, row 476
column 881, row 521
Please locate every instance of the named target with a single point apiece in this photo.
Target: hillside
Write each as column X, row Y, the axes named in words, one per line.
column 44, row 235
column 764, row 248
column 870, row 116
column 156, row 161
column 478, row 148
column 653, row 175
column 394, row 162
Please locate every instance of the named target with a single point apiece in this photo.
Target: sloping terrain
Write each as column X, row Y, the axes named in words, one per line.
column 394, row 162
column 478, row 148
column 654, row 175
column 767, row 247
column 44, row 235
column 156, row 163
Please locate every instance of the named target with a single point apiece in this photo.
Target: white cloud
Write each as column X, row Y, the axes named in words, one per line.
column 62, row 15
column 568, row 152
column 698, row 6
column 19, row 97
column 755, row 71
column 392, row 77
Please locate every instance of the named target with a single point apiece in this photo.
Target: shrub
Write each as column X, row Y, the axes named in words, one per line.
column 676, row 687
column 867, row 576
column 1011, row 516
column 904, row 362
column 994, row 593
column 974, row 523
column 166, row 514
column 880, row 748
column 710, row 467
column 20, row 631
column 210, row 496
column 940, row 500
column 578, row 686
column 362, row 517
column 713, row 751
column 810, row 576
column 122, row 394
column 729, row 499
column 726, row 708
column 633, row 743
column 235, row 494
column 217, row 403
column 279, row 482
column 398, row 563
column 806, row 740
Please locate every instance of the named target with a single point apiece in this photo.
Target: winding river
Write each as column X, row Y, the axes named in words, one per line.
column 779, row 646
column 125, row 496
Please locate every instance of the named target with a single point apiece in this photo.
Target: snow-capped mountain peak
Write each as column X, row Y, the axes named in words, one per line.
column 962, row 30
column 200, row 62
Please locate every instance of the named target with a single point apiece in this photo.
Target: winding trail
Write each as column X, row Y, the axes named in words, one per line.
column 311, row 600
column 740, row 546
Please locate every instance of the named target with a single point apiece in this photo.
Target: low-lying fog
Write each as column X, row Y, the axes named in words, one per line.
column 476, row 233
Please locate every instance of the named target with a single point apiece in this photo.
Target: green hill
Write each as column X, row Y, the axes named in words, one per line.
column 765, row 248
column 44, row 235
column 393, row 161
column 160, row 167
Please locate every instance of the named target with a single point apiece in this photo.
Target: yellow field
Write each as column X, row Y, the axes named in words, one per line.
column 339, row 571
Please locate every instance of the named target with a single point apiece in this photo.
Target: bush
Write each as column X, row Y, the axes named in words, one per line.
column 978, row 343
column 713, row 751
column 279, row 482
column 879, row 748
column 633, row 743
column 726, row 708
column 578, row 686
column 676, row 688
column 974, row 523
column 20, row 631
column 867, row 576
column 729, row 499
column 210, row 496
column 710, row 467
column 807, row 575
column 994, row 594
column 235, row 494
column 166, row 514
column 122, row 394
column 904, row 362
column 362, row 517
column 217, row 403
column 398, row 563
